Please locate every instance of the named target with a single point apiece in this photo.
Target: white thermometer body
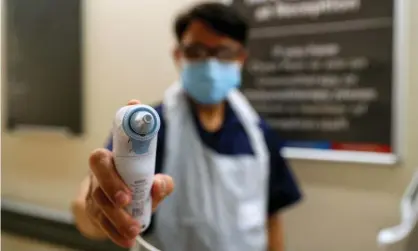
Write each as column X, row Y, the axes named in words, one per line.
column 135, row 131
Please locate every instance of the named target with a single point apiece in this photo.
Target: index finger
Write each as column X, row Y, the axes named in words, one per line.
column 134, row 102
column 102, row 166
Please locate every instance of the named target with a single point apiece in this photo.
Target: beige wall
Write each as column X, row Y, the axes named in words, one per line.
column 127, row 56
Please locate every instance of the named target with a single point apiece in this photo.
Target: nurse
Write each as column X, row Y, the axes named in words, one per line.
column 232, row 184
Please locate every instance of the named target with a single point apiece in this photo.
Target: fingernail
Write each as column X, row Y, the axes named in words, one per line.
column 162, row 186
column 122, row 198
column 133, row 231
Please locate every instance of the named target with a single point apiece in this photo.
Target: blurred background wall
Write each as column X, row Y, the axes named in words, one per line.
column 128, row 55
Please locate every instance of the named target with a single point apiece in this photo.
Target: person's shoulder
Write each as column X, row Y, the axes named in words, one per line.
column 264, row 125
column 273, row 139
column 266, row 128
column 158, row 107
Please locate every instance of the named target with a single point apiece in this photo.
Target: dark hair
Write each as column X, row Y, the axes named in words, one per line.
column 220, row 17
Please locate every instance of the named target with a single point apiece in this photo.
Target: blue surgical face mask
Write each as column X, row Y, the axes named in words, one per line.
column 210, row 81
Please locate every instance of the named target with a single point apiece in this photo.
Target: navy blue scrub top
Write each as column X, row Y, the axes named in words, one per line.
column 231, row 139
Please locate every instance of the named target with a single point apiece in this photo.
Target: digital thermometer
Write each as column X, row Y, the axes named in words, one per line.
column 135, row 131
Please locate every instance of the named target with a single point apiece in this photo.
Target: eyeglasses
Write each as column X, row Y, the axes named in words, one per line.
column 199, row 52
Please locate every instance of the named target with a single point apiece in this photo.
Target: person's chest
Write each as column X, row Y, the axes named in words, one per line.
column 231, row 140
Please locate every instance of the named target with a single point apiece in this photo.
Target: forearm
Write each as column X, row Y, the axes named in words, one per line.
column 275, row 233
column 82, row 221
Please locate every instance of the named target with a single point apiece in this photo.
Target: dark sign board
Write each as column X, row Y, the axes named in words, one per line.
column 44, row 64
column 321, row 71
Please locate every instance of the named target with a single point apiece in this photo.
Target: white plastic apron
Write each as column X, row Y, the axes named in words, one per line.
column 219, row 202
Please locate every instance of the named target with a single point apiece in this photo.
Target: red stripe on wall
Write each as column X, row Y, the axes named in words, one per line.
column 362, row 147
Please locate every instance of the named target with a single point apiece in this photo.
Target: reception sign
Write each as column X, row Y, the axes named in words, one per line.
column 322, row 73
